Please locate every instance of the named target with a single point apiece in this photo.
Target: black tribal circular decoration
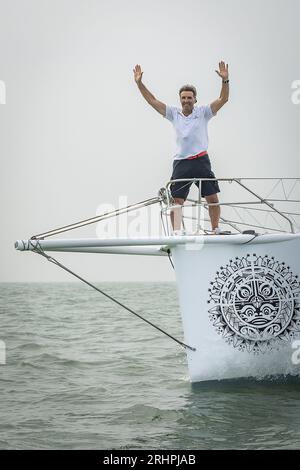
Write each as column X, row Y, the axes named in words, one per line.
column 256, row 303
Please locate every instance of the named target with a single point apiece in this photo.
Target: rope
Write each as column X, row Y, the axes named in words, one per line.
column 251, row 239
column 38, row 249
column 170, row 259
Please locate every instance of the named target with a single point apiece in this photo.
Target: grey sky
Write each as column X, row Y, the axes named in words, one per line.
column 75, row 132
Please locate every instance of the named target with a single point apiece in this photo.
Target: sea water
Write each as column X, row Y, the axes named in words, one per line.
column 79, row 372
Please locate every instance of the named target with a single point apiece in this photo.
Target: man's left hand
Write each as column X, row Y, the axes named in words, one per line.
column 223, row 70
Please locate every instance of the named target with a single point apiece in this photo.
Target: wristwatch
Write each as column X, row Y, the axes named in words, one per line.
column 226, row 81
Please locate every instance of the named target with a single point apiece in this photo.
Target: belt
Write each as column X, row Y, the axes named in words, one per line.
column 201, row 154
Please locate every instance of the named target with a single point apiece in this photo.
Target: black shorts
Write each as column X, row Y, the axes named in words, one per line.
column 195, row 168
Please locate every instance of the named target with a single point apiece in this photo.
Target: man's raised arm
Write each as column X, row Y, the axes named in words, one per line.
column 157, row 105
column 224, row 95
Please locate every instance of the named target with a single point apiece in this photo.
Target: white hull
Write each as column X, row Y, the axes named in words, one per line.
column 209, row 326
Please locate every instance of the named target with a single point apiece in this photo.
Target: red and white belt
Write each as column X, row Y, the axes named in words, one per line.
column 201, row 154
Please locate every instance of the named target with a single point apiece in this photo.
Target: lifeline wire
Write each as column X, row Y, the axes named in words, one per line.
column 97, row 218
column 38, row 249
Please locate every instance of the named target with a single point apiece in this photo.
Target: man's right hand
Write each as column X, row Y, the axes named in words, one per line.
column 138, row 74
column 157, row 105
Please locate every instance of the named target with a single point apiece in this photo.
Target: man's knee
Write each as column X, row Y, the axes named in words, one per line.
column 212, row 199
column 178, row 200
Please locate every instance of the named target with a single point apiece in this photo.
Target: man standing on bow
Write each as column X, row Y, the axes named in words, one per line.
column 191, row 159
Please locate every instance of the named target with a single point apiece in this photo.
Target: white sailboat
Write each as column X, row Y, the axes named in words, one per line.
column 239, row 292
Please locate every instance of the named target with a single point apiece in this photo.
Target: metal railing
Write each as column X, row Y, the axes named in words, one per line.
column 268, row 199
column 237, row 213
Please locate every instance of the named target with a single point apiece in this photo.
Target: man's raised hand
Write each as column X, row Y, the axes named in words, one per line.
column 138, row 74
column 223, row 70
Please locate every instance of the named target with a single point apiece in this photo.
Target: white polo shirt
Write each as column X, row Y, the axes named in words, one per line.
column 191, row 131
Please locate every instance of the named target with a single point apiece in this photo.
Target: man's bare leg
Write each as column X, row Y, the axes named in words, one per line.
column 214, row 211
column 176, row 214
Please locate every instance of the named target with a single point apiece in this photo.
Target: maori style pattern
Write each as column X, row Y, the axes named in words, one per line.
column 256, row 303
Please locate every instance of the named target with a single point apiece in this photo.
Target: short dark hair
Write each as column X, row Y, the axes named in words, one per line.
column 188, row 88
